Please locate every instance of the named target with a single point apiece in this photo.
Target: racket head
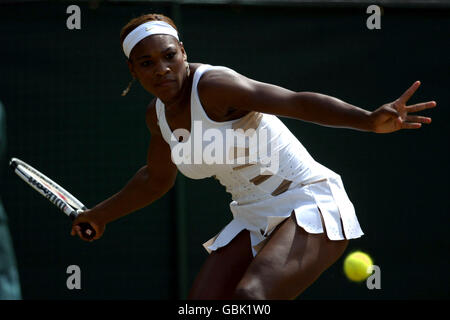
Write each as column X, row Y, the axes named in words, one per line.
column 54, row 187
column 56, row 194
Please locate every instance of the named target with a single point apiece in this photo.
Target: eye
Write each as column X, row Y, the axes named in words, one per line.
column 170, row 55
column 146, row 63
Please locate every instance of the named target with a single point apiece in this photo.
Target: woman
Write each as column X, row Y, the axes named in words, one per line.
column 291, row 216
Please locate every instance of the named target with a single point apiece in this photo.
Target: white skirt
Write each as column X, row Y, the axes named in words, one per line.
column 326, row 197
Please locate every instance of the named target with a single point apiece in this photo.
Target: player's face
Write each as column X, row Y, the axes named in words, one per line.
column 158, row 62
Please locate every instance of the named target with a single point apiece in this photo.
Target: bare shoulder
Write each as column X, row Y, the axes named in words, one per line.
column 220, row 78
column 151, row 118
column 222, row 87
column 226, row 90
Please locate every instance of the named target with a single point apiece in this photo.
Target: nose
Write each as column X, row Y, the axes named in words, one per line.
column 162, row 68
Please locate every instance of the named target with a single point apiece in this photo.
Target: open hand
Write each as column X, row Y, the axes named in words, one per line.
column 395, row 116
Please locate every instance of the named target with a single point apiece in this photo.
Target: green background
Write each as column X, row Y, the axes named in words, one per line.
column 65, row 116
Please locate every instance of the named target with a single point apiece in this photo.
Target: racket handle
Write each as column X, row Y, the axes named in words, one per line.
column 86, row 229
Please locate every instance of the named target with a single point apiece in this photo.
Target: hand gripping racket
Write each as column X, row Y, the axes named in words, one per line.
column 56, row 194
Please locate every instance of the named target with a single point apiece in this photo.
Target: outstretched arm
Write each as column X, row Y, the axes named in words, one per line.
column 228, row 89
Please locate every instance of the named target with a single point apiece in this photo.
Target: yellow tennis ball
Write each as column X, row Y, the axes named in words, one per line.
column 358, row 266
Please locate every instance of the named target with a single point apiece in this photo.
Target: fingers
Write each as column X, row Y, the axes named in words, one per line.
column 408, row 93
column 421, row 106
column 77, row 231
column 415, row 122
column 408, row 125
column 418, row 119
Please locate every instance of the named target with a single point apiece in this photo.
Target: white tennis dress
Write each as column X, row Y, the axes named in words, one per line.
column 269, row 177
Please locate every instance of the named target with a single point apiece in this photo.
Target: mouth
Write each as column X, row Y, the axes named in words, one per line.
column 165, row 83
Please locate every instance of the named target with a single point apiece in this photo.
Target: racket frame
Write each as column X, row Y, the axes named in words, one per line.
column 70, row 205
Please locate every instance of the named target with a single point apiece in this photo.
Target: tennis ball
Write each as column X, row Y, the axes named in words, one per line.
column 357, row 266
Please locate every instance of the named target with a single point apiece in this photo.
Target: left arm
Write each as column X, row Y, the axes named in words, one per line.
column 225, row 89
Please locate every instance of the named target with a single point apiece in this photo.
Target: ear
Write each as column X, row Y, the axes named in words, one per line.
column 131, row 68
column 183, row 51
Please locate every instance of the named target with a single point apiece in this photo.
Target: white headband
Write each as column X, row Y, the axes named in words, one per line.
column 145, row 30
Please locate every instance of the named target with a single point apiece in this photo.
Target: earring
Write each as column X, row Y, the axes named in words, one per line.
column 124, row 92
column 188, row 71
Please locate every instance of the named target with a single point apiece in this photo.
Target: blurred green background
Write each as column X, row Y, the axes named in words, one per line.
column 65, row 116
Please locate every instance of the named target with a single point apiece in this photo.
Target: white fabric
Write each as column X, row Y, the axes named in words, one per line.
column 315, row 189
column 145, row 30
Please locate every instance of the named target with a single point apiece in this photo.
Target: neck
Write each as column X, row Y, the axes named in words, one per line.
column 182, row 98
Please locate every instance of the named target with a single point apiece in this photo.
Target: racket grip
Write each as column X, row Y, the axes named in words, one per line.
column 86, row 229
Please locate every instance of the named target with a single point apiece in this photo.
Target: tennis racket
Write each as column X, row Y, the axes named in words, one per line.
column 56, row 194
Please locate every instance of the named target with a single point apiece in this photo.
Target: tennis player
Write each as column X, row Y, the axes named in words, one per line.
column 292, row 218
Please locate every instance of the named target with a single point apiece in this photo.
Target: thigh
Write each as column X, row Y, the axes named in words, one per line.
column 223, row 269
column 290, row 262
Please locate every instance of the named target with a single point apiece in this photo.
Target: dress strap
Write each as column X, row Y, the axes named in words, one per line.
column 197, row 110
column 162, row 121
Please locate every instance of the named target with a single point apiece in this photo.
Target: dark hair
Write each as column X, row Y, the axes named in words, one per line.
column 135, row 22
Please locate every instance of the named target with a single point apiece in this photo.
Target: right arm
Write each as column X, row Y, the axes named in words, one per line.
column 150, row 183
